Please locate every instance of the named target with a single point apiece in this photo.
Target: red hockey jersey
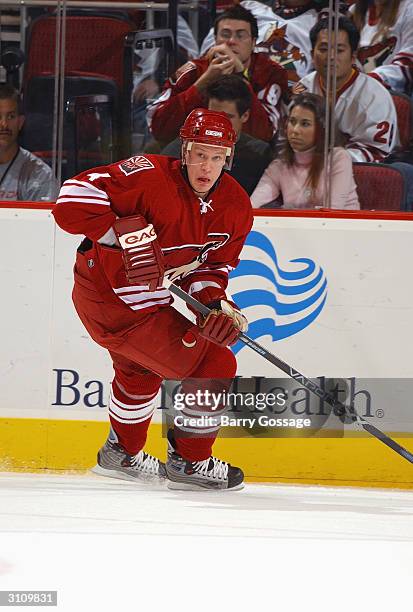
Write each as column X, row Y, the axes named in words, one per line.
column 201, row 241
column 268, row 81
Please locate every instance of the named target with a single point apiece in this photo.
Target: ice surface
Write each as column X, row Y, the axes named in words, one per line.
column 106, row 544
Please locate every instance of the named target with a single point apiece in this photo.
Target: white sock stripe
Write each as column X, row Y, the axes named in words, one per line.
column 191, row 412
column 127, row 406
column 132, row 421
column 138, row 397
column 131, row 414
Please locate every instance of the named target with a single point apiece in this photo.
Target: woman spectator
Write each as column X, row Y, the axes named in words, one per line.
column 386, row 41
column 298, row 177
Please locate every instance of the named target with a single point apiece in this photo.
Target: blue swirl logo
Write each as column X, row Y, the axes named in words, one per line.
column 297, row 296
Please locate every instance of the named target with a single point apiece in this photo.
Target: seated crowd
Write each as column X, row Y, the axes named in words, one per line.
column 254, row 44
column 266, row 64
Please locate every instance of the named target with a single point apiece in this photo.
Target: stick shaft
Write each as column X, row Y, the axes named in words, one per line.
column 303, row 380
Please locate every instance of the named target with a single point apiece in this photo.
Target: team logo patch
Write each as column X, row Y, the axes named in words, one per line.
column 135, row 164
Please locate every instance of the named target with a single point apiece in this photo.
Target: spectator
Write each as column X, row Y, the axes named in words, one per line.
column 231, row 95
column 365, row 111
column 23, row 176
column 235, row 34
column 386, row 41
column 146, row 84
column 299, row 176
column 282, row 33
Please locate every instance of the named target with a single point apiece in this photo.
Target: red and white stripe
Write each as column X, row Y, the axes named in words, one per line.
column 199, row 286
column 137, row 297
column 131, row 409
column 81, row 191
column 370, row 154
column 213, row 426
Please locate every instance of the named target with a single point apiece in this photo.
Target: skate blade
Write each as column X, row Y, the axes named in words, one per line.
column 122, row 476
column 181, row 486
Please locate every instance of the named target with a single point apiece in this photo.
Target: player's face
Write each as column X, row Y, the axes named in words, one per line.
column 229, row 107
column 204, row 165
column 343, row 62
column 237, row 35
column 10, row 123
column 301, row 129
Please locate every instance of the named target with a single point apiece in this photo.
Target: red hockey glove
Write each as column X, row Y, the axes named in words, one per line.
column 142, row 255
column 223, row 324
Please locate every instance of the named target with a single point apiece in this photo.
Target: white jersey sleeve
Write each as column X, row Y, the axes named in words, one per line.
column 365, row 115
column 389, row 55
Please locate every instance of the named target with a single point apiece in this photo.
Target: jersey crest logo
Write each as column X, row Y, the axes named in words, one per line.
column 374, row 56
column 135, row 164
column 197, row 253
column 283, row 52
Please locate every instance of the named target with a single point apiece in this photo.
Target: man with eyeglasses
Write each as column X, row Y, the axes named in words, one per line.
column 236, row 32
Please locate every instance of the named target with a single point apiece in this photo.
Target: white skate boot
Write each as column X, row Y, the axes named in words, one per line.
column 114, row 461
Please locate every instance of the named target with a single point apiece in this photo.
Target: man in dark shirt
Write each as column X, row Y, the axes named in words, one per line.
column 231, row 95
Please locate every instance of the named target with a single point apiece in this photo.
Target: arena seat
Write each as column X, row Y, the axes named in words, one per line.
column 379, row 187
column 97, row 62
column 404, row 112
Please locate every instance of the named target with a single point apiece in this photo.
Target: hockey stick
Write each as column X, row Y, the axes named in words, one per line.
column 303, row 380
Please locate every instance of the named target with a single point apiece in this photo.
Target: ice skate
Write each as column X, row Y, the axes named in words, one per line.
column 114, row 461
column 212, row 473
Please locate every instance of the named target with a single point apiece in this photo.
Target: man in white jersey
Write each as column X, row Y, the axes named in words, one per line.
column 23, row 176
column 364, row 109
column 386, row 46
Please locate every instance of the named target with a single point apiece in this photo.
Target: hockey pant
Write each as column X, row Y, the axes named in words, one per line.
column 146, row 349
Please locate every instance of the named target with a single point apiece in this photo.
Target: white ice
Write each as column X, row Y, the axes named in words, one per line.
column 108, row 545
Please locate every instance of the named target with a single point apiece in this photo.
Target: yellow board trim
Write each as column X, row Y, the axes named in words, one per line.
column 43, row 444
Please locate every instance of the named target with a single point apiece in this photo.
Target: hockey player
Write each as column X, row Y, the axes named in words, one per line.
column 142, row 216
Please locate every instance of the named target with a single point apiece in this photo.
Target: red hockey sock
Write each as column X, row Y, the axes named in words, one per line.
column 130, row 415
column 131, row 437
column 218, row 368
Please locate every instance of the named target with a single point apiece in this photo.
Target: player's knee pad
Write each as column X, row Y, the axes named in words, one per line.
column 218, row 362
column 133, row 378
